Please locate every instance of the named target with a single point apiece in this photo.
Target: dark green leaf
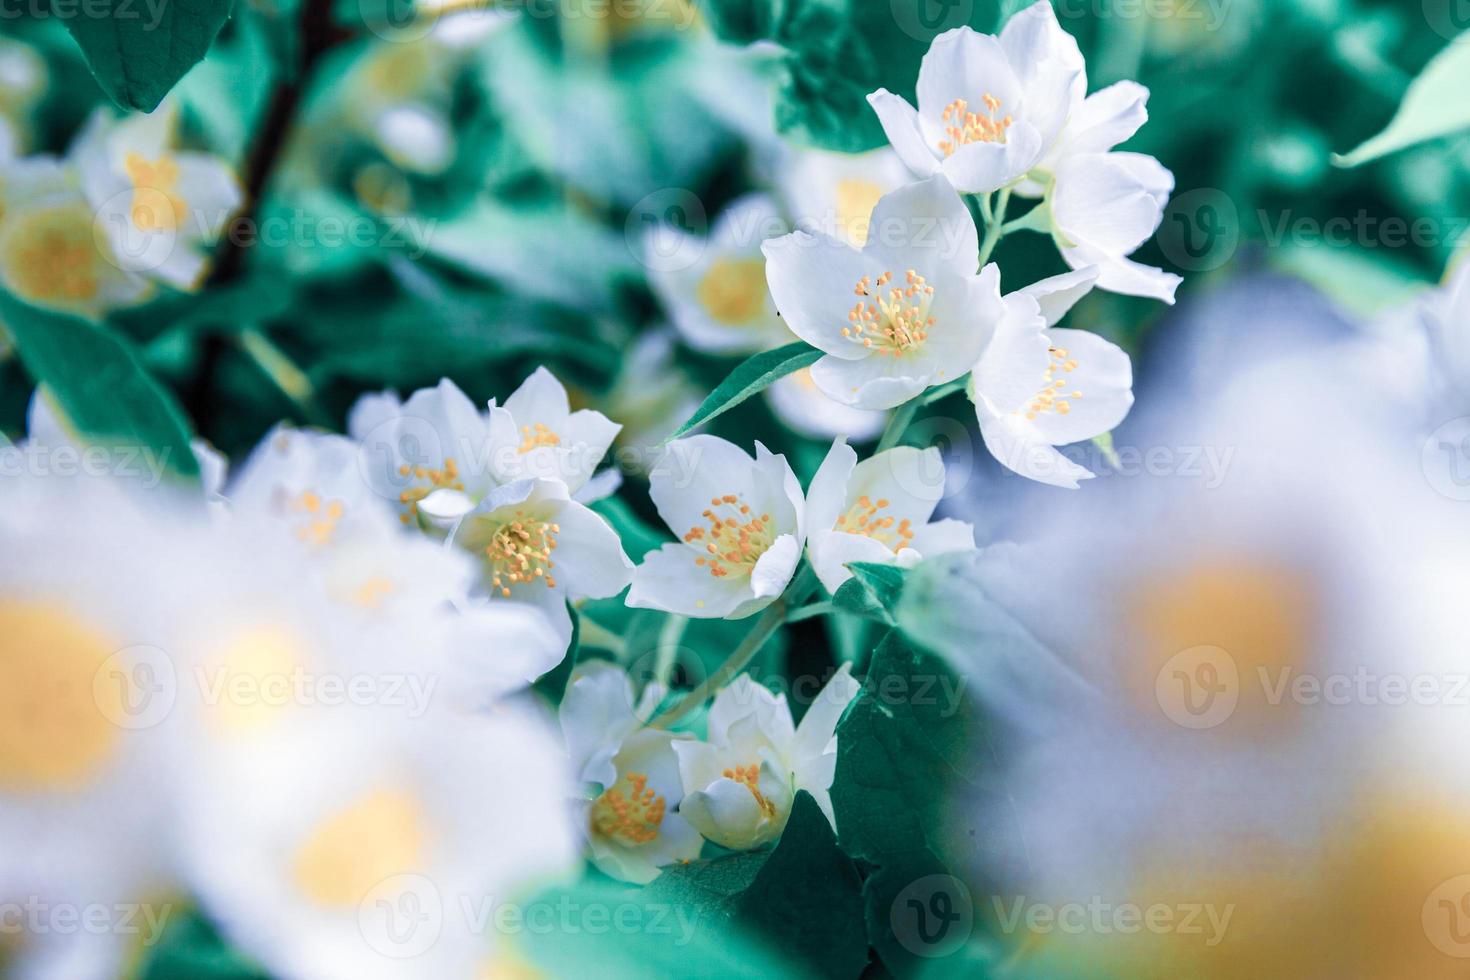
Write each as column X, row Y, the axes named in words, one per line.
column 191, row 949
column 638, row 536
column 139, row 50
column 751, row 377
column 873, row 591
column 98, row 383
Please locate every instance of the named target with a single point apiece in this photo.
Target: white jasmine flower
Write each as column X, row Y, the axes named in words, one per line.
column 878, row 511
column 160, row 208
column 740, row 784
column 52, row 253
column 1036, row 388
column 630, row 818
column 535, row 544
column 1103, row 207
column 989, row 107
column 802, row 406
column 1444, row 322
column 715, row 289
column 437, row 444
column 537, row 435
column 835, row 193
column 740, row 523
column 905, row 312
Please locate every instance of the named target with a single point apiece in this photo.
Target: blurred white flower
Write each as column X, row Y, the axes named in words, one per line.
column 160, row 209
column 801, row 405
column 23, row 80
column 905, row 312
column 714, row 289
column 537, row 435
column 835, row 193
column 878, row 511
column 630, row 817
column 740, row 523
column 1103, row 207
column 1036, row 388
column 740, row 784
column 651, row 396
column 534, row 544
column 990, row 107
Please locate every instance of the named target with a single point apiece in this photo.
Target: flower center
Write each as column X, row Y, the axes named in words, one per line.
column 157, row 205
column 866, row 518
column 537, row 436
column 1053, row 396
column 319, row 521
column 733, row 540
column 357, row 847
column 430, row 480
column 629, row 812
column 750, row 777
column 966, row 127
column 855, row 202
column 891, row 319
column 733, row 291
column 56, row 255
column 520, row 552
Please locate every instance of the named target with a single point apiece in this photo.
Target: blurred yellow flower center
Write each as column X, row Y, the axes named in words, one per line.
column 537, row 436
column 520, row 552
column 733, row 539
column 733, row 291
column 357, row 847
column 866, row 517
column 255, row 669
column 55, row 699
column 855, row 202
column 52, row 255
column 429, row 480
column 157, row 204
column 750, row 777
column 629, row 811
column 371, row 592
column 1054, row 394
column 964, row 127
column 318, row 518
column 891, row 319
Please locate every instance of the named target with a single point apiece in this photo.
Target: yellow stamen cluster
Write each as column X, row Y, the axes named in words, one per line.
column 1053, row 397
column 750, row 777
column 629, row 811
column 157, row 204
column 864, row 518
column 536, row 437
column 54, row 256
column 430, row 479
column 733, row 291
column 966, row 127
column 321, row 518
column 891, row 319
column 520, row 552
column 733, row 540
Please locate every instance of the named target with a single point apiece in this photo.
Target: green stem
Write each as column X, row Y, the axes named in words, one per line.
column 942, row 391
column 995, row 227
column 595, row 635
column 771, row 620
column 897, row 423
column 808, row 612
column 668, row 647
column 289, row 379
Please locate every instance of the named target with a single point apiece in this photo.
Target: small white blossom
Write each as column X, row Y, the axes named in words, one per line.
column 740, row 784
column 878, row 511
column 905, row 312
column 740, row 523
column 835, row 193
column 537, row 435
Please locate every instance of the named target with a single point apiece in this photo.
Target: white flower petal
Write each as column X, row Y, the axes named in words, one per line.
column 773, row 570
column 901, row 125
column 1103, row 375
column 1107, row 117
column 979, row 168
column 874, row 383
column 540, row 399
column 832, row 551
column 1058, row 294
column 1019, row 449
column 812, row 278
column 1014, row 364
column 826, row 497
column 925, row 225
column 964, row 64
column 670, row 580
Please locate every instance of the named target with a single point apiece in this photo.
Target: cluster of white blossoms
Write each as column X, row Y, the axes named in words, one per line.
column 124, row 211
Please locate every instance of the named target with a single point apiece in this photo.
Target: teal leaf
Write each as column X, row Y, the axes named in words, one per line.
column 191, row 949
column 97, row 382
column 139, row 49
column 873, row 591
column 751, row 377
column 1435, row 105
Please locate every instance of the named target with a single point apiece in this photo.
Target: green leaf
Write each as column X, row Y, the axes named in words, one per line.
column 637, row 535
column 1435, row 105
column 873, row 591
column 139, row 50
column 191, row 949
column 552, row 685
column 751, row 377
column 99, row 385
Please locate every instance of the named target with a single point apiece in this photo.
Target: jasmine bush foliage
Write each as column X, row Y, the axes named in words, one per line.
column 648, row 487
